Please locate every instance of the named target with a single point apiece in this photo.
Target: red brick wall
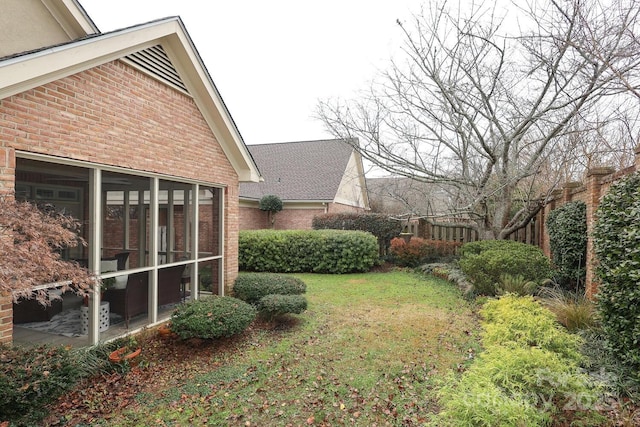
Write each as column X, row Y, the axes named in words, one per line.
column 115, row 115
column 288, row 218
column 597, row 184
column 253, row 219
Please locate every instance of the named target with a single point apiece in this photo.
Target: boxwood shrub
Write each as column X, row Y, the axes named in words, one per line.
column 252, row 287
column 212, row 317
column 312, row 251
column 271, row 306
column 484, row 262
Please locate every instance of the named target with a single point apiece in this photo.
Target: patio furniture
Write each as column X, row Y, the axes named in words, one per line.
column 133, row 299
column 30, row 310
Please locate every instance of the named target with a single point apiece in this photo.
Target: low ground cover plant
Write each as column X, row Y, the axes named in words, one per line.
column 484, row 262
column 311, row 251
column 31, row 378
column 528, row 373
column 212, row 317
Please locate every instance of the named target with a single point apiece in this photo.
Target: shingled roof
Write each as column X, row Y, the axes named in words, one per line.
column 299, row 171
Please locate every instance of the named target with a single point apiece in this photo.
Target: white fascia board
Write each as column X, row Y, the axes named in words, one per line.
column 198, row 81
column 25, row 72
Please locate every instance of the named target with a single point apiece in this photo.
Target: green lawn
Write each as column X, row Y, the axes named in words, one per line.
column 371, row 350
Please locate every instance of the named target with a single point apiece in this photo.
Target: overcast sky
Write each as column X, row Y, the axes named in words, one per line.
column 272, row 60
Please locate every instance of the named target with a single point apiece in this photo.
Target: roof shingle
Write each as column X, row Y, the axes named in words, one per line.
column 306, row 170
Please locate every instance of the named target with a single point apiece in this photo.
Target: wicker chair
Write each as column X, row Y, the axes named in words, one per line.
column 133, row 299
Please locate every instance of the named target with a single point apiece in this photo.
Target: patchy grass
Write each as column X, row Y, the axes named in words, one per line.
column 370, row 350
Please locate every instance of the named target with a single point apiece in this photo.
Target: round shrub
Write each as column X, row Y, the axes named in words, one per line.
column 567, row 228
column 616, row 239
column 270, row 203
column 271, row 306
column 484, row 263
column 252, row 287
column 212, row 317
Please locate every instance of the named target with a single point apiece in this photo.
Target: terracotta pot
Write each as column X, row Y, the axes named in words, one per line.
column 164, row 331
column 124, row 353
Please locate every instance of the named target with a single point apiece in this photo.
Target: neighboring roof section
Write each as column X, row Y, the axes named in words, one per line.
column 299, row 171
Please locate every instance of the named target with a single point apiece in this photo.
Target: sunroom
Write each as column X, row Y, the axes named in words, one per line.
column 155, row 241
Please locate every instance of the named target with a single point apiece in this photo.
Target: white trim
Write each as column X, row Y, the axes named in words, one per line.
column 195, row 232
column 95, row 239
column 152, row 307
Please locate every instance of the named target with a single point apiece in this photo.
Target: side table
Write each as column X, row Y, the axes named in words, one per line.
column 103, row 318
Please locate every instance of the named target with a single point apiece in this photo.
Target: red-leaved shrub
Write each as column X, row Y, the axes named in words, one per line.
column 409, row 254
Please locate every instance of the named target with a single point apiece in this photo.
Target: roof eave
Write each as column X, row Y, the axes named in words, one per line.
column 25, row 72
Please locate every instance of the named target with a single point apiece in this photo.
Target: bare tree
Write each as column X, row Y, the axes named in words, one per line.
column 485, row 111
column 30, row 244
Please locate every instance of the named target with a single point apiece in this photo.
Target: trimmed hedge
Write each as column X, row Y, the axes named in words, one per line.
column 252, row 287
column 212, row 317
column 484, row 262
column 382, row 226
column 310, row 251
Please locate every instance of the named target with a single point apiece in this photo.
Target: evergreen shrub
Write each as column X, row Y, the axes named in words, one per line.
column 252, row 287
column 484, row 262
column 310, row 251
column 616, row 239
column 212, row 317
column 567, row 228
column 271, row 306
column 382, row 226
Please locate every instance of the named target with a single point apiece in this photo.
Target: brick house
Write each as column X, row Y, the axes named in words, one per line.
column 311, row 178
column 127, row 132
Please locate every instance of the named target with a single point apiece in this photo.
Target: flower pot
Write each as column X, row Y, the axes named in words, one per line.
column 124, row 353
column 164, row 331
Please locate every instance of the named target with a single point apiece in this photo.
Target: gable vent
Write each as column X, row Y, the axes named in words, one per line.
column 155, row 62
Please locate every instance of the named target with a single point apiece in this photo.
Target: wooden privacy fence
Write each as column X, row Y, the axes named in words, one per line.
column 460, row 233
